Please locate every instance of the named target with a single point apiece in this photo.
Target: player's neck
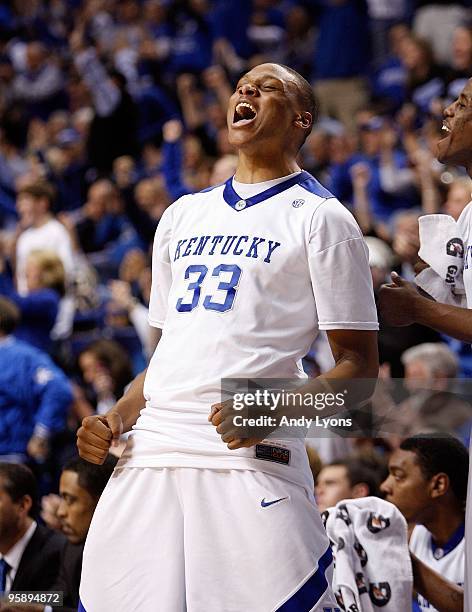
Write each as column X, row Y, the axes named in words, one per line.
column 252, row 170
column 444, row 524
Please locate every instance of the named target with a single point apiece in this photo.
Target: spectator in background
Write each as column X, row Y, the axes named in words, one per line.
column 39, row 230
column 346, row 479
column 458, row 196
column 432, row 406
column 428, row 483
column 34, row 394
column 425, row 79
column 341, row 57
column 113, row 131
column 29, row 552
column 81, row 485
column 106, row 369
column 461, row 61
column 41, row 83
column 103, row 232
column 45, row 285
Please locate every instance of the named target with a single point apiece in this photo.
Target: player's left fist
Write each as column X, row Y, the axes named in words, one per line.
column 222, row 417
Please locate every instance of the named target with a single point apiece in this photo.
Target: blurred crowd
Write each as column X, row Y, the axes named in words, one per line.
column 110, row 110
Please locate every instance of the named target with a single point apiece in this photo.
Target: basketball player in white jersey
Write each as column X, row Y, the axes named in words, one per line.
column 401, row 304
column 427, row 482
column 244, row 276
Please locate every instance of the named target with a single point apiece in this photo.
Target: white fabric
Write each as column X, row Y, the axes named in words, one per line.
column 176, row 539
column 450, row 565
column 13, row 556
column 51, row 236
column 365, row 532
column 246, row 190
column 308, row 272
column 442, row 248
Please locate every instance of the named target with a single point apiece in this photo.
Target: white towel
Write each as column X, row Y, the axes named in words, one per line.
column 372, row 561
column 442, row 247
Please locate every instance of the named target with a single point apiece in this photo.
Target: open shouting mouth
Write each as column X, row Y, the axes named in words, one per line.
column 244, row 114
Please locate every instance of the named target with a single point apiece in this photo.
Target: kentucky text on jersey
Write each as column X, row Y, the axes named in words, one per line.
column 251, row 246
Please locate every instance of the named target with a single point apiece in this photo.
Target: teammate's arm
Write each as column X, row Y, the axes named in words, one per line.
column 97, row 433
column 441, row 593
column 401, row 304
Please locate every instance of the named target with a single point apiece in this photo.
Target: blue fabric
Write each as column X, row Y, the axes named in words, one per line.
column 312, row 590
column 383, row 204
column 304, row 179
column 172, row 170
column 453, row 541
column 4, row 569
column 342, row 48
column 38, row 313
column 81, row 607
column 33, row 391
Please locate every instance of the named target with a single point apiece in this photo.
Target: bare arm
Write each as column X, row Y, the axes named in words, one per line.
column 400, row 304
column 97, row 433
column 442, row 594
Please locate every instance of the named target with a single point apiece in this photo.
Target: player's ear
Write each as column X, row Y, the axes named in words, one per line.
column 304, row 120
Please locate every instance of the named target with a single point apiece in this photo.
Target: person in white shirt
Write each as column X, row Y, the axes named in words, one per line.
column 401, row 304
column 40, row 230
column 244, row 276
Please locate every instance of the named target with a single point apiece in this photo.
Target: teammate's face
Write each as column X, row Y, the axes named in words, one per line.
column 76, row 508
column 405, row 486
column 265, row 107
column 456, row 146
column 332, row 485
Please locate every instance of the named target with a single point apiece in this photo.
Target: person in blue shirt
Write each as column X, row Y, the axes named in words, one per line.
column 45, row 279
column 34, row 394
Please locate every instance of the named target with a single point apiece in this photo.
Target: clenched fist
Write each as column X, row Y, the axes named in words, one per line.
column 97, row 434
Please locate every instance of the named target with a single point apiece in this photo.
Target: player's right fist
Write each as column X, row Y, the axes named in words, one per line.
column 97, row 434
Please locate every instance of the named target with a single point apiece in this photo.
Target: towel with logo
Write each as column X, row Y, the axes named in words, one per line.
column 372, row 561
column 442, row 248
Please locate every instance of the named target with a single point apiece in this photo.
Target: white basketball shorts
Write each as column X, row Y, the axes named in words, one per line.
column 204, row 540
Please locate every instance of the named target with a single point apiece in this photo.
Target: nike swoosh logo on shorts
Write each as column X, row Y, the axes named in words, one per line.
column 264, row 504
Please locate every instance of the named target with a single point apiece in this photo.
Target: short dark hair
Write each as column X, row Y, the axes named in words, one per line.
column 9, row 316
column 93, row 478
column 441, row 453
column 306, row 96
column 40, row 189
column 359, row 473
column 19, row 481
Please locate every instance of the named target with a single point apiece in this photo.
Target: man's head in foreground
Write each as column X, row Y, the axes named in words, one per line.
column 456, row 146
column 80, row 487
column 425, row 473
column 272, row 105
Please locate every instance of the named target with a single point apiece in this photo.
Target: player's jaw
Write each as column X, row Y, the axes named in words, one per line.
column 455, row 147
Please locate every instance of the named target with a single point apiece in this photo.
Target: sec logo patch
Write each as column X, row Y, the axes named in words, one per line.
column 298, row 203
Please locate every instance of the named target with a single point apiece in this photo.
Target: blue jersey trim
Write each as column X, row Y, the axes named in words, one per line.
column 309, row 594
column 232, row 198
column 81, row 607
column 211, row 188
column 453, row 541
column 313, row 186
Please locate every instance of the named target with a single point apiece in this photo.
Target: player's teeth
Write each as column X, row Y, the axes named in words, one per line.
column 445, row 128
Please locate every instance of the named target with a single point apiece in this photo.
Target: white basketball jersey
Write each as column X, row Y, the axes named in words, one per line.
column 240, row 288
column 448, row 560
